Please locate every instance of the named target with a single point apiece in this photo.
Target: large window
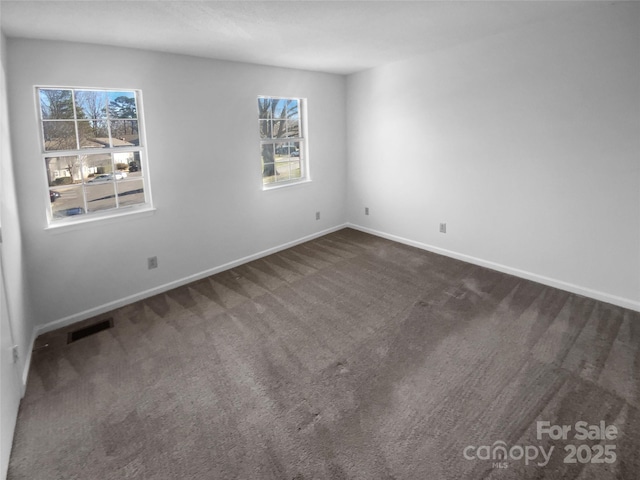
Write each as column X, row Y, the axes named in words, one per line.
column 282, row 140
column 92, row 152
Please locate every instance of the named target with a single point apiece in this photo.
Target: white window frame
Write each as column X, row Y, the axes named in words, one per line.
column 302, row 139
column 141, row 149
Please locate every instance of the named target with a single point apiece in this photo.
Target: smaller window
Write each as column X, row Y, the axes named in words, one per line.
column 282, row 142
column 92, row 151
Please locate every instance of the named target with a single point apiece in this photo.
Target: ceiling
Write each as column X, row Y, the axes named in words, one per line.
column 332, row 36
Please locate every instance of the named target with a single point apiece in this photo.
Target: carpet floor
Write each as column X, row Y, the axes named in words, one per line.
column 346, row 357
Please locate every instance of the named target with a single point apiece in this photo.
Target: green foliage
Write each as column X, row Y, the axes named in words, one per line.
column 63, row 181
column 123, row 113
column 123, row 107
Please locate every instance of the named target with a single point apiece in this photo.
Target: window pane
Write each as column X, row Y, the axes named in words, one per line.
column 268, row 157
column 279, row 108
column 93, row 133
column 122, row 162
column 282, row 169
column 292, row 110
column 264, row 108
column 130, row 192
column 279, row 129
column 91, row 104
column 97, row 168
column 100, row 195
column 133, row 160
column 293, row 128
column 284, row 151
column 296, row 171
column 56, row 103
column 59, row 135
column 122, row 105
column 281, row 149
column 63, row 170
column 295, row 151
column 124, row 133
column 265, row 128
column 67, row 201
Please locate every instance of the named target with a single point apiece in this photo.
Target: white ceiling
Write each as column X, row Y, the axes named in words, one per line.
column 331, row 36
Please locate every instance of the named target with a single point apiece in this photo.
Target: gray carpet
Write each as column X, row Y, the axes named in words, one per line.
column 347, row 357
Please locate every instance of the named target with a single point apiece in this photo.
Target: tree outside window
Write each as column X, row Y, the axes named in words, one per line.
column 281, row 140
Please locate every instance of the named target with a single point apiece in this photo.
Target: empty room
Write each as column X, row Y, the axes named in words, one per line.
column 320, row 240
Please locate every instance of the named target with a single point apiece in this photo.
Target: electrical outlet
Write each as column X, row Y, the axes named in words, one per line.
column 443, row 228
column 366, row 210
column 152, row 262
column 14, row 354
column 317, row 215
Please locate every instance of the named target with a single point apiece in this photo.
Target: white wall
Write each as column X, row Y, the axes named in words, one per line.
column 15, row 321
column 527, row 144
column 202, row 135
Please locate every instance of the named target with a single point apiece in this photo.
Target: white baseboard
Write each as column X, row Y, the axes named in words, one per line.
column 92, row 312
column 551, row 282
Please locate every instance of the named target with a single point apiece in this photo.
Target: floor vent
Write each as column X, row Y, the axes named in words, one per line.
column 90, row 330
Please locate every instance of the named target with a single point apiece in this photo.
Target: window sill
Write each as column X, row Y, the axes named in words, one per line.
column 277, row 186
column 78, row 224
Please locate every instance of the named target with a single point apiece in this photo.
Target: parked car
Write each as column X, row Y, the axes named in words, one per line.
column 107, row 177
column 53, row 195
column 287, row 150
column 69, row 212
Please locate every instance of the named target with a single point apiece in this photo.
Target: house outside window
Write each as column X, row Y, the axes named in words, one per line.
column 282, row 141
column 93, row 153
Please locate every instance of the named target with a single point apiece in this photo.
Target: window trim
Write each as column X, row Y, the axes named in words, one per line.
column 303, row 139
column 102, row 216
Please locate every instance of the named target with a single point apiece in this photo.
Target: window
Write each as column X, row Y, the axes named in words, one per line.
column 282, row 140
column 92, row 152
